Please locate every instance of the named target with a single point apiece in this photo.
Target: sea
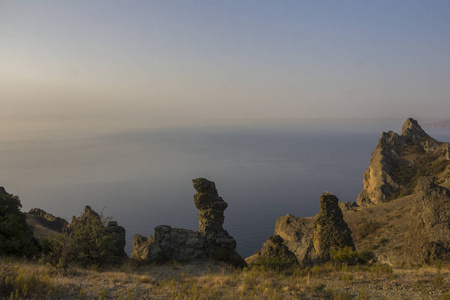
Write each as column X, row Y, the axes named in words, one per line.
column 142, row 177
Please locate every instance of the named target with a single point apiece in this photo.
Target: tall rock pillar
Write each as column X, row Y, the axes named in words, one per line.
column 210, row 220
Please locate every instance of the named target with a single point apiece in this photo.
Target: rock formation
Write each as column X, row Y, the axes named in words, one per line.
column 116, row 231
column 276, row 251
column 331, row 232
column 397, row 159
column 311, row 240
column 297, row 234
column 221, row 246
column 169, row 244
column 210, row 241
column 430, row 223
column 43, row 225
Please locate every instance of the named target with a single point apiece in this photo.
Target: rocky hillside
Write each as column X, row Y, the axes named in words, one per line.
column 309, row 240
column 398, row 161
column 412, row 168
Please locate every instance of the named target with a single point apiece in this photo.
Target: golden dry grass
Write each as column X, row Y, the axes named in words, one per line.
column 21, row 279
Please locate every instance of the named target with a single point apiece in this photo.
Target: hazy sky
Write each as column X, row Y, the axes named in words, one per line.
column 159, row 62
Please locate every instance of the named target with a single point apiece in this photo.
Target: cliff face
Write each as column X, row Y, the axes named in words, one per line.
column 210, row 241
column 399, row 160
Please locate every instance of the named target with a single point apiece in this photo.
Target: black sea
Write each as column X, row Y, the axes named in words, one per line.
column 142, row 178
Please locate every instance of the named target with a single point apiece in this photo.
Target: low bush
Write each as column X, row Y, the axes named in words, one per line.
column 88, row 244
column 345, row 255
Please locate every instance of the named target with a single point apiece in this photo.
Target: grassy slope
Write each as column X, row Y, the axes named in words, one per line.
column 27, row 280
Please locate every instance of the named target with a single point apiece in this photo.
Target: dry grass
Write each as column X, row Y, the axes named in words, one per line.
column 36, row 281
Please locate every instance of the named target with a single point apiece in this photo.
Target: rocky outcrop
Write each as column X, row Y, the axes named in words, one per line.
column 118, row 233
column 210, row 241
column 274, row 250
column 430, row 225
column 115, row 231
column 395, row 161
column 43, row 225
column 47, row 220
column 311, row 240
column 170, row 244
column 297, row 234
column 88, row 215
column 220, row 245
column 331, row 232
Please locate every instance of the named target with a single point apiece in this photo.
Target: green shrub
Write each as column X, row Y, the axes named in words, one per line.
column 345, row 255
column 88, row 244
column 13, row 227
column 275, row 263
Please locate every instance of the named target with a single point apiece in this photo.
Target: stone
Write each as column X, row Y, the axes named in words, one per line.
column 331, row 232
column 312, row 240
column 275, row 249
column 385, row 178
column 297, row 234
column 211, row 241
column 177, row 244
column 430, row 224
column 47, row 220
column 221, row 246
column 118, row 232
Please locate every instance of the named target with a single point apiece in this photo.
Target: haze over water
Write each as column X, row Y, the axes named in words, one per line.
column 143, row 177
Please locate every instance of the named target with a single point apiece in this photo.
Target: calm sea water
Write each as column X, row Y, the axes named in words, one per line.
column 142, row 178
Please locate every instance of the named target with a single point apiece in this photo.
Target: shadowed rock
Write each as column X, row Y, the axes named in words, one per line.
column 331, row 232
column 430, row 225
column 178, row 244
column 43, row 225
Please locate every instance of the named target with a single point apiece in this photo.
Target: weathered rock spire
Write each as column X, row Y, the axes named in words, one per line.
column 331, row 232
column 210, row 220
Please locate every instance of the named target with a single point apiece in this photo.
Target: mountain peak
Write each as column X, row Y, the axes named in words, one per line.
column 412, row 130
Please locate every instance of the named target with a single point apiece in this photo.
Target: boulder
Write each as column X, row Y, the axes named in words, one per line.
column 177, row 244
column 274, row 248
column 297, row 234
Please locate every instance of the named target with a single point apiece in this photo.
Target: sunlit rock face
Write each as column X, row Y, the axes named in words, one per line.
column 397, row 159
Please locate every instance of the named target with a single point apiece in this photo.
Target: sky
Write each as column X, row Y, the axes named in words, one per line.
column 154, row 63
